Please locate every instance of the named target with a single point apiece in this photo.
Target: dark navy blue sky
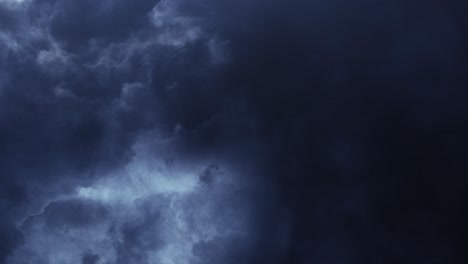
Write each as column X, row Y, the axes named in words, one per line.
column 218, row 132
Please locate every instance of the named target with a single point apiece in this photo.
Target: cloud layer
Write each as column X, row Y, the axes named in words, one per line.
column 179, row 131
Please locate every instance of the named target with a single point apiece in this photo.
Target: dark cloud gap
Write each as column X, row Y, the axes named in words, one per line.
column 7, row 20
column 345, row 122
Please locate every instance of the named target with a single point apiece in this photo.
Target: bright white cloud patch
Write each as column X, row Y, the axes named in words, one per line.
column 155, row 210
column 174, row 29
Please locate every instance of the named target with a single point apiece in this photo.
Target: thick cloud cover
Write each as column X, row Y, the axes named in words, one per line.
column 216, row 131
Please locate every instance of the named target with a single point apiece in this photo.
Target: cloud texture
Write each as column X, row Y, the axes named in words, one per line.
column 215, row 131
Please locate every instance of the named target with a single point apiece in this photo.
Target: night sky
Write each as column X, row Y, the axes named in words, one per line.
column 233, row 132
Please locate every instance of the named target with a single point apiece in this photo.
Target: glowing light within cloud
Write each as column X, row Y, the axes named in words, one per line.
column 153, row 211
column 139, row 184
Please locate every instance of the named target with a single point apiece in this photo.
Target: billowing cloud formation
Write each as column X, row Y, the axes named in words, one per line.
column 152, row 211
column 217, row 131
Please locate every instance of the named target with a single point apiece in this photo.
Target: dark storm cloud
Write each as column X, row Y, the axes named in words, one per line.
column 140, row 237
column 90, row 259
column 58, row 106
column 78, row 22
column 74, row 214
column 222, row 250
column 65, row 115
column 208, row 176
column 354, row 103
column 346, row 120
